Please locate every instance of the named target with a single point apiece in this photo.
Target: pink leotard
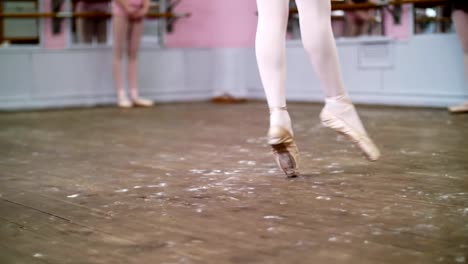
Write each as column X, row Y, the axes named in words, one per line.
column 118, row 10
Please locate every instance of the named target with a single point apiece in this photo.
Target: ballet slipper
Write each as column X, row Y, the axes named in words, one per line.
column 141, row 102
column 342, row 123
column 124, row 103
column 284, row 149
column 462, row 108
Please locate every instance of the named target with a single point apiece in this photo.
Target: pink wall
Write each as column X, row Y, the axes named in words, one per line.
column 232, row 23
column 219, row 24
column 215, row 24
column 402, row 31
column 52, row 41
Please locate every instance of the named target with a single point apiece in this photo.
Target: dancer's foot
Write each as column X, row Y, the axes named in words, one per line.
column 285, row 150
column 340, row 115
column 142, row 102
column 123, row 102
column 462, row 108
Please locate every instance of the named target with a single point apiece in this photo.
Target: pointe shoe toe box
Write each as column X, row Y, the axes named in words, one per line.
column 285, row 150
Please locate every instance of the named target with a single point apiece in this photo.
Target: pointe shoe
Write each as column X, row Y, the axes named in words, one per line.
column 462, row 108
column 338, row 123
column 141, row 102
column 284, row 150
column 124, row 103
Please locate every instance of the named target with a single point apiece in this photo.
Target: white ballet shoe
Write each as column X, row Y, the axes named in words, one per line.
column 284, row 149
column 141, row 102
column 124, row 103
column 356, row 132
column 462, row 108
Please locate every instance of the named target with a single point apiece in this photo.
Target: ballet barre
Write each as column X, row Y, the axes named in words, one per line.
column 86, row 15
column 433, row 19
column 382, row 4
column 394, row 7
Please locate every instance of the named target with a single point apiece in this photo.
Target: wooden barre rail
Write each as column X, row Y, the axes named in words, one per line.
column 335, row 6
column 364, row 6
column 85, row 15
column 433, row 19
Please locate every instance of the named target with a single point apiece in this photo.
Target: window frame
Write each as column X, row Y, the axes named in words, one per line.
column 16, row 42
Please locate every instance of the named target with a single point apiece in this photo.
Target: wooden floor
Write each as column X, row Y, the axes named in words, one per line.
column 196, row 183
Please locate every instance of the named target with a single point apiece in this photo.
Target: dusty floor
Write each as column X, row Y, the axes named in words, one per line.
column 196, row 183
